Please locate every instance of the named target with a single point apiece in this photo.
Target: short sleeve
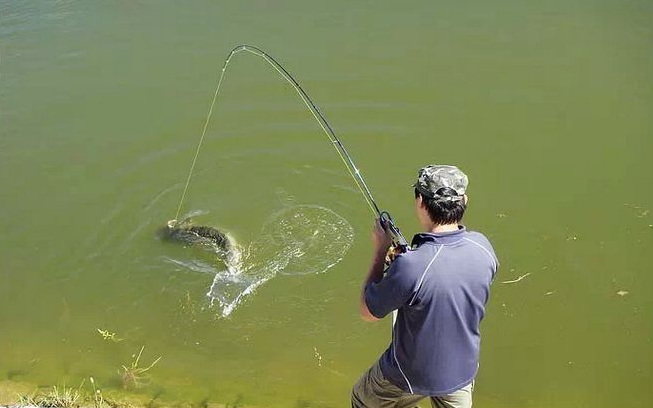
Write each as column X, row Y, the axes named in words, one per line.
column 485, row 245
column 391, row 292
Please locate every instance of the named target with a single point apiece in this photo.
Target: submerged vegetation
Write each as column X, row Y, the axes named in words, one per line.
column 107, row 335
column 135, row 376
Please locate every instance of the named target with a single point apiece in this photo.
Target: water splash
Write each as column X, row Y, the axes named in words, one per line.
column 299, row 240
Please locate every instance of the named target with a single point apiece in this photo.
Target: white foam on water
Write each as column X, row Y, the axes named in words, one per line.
column 299, row 240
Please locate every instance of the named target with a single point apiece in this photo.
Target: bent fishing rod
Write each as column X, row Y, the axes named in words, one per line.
column 387, row 222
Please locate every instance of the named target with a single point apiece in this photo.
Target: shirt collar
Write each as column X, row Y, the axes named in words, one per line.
column 439, row 238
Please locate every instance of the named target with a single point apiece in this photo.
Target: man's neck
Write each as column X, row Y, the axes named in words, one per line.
column 442, row 228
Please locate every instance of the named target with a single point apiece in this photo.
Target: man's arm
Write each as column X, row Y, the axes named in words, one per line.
column 382, row 242
column 375, row 274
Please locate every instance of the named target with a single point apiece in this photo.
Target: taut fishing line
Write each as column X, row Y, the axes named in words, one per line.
column 384, row 217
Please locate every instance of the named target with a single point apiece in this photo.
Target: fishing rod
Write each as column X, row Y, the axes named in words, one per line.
column 387, row 222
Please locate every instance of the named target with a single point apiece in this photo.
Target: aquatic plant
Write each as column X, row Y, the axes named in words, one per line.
column 135, row 376
column 107, row 335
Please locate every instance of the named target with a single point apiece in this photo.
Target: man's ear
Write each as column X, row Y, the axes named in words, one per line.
column 465, row 199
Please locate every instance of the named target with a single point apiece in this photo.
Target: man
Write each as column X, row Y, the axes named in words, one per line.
column 439, row 289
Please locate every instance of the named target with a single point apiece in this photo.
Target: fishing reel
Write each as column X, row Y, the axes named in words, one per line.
column 399, row 243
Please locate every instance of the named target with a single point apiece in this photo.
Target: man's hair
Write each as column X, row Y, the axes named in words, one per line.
column 444, row 212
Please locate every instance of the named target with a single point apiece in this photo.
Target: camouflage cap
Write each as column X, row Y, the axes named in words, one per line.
column 433, row 177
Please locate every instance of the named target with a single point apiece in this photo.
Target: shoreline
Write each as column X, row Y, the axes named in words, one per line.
column 13, row 392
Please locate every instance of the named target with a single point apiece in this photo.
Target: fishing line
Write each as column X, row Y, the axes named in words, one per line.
column 321, row 119
column 324, row 124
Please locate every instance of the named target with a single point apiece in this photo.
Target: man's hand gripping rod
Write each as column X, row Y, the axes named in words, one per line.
column 399, row 242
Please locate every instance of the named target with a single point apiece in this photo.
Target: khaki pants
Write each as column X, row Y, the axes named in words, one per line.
column 373, row 391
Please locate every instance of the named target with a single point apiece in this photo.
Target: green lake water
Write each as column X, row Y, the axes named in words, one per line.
column 548, row 107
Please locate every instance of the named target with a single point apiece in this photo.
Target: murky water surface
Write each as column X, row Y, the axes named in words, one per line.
column 546, row 105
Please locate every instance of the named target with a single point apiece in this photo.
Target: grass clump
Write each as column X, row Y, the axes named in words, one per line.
column 63, row 397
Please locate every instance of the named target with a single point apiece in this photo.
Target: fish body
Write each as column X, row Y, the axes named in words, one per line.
column 216, row 236
column 200, row 235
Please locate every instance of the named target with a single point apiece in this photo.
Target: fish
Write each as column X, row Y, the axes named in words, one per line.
column 204, row 236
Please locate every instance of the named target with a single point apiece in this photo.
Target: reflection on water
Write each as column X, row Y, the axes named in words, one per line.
column 299, row 240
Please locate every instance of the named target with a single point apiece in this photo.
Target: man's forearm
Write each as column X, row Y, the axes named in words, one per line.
column 374, row 274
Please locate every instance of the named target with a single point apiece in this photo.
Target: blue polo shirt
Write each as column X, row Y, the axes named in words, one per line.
column 439, row 289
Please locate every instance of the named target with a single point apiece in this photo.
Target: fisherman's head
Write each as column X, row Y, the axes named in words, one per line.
column 440, row 197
